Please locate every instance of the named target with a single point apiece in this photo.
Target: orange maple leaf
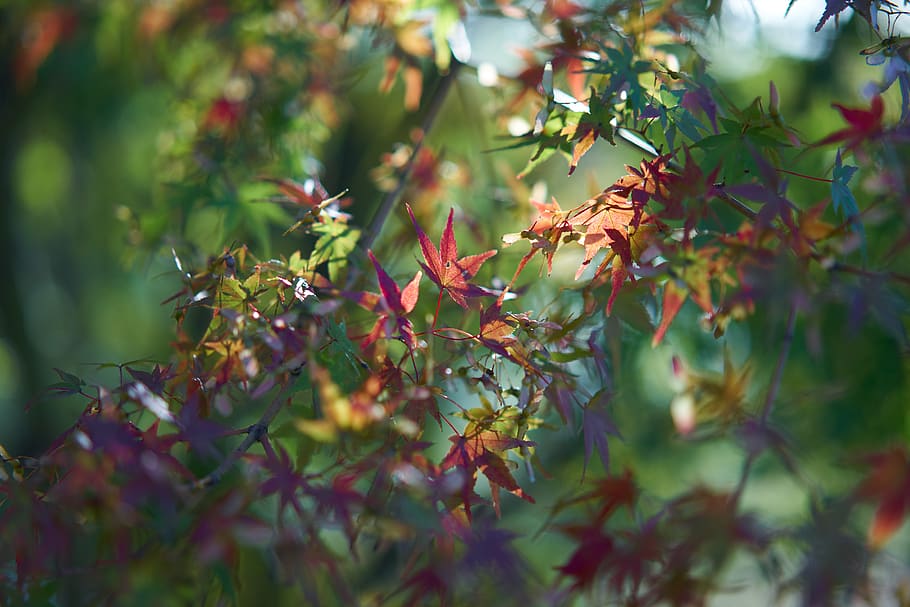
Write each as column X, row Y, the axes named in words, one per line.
column 607, row 220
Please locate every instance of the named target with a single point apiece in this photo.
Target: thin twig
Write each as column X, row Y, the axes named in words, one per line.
column 848, row 269
column 255, row 433
column 774, row 388
column 743, row 476
column 737, row 205
column 770, row 397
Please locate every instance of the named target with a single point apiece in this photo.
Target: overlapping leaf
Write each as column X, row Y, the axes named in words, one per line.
column 392, row 307
column 443, row 266
column 483, row 451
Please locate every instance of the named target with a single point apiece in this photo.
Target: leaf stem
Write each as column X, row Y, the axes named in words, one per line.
column 467, row 336
column 795, row 174
column 436, row 314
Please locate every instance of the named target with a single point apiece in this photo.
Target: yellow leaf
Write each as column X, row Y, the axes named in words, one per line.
column 411, row 39
column 321, row 430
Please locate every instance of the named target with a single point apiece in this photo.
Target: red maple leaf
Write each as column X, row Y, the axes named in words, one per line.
column 443, row 266
column 651, row 180
column 302, row 195
column 392, row 307
column 593, row 552
column 863, row 125
column 888, row 485
column 596, row 550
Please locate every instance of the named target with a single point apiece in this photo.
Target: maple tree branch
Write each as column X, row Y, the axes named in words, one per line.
column 255, row 433
column 848, row 269
column 743, row 477
column 770, row 397
column 392, row 197
column 810, row 177
column 774, row 388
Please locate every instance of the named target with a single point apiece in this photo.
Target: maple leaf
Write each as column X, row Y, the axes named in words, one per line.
column 198, row 432
column 597, row 426
column 489, row 551
column 673, row 299
column 561, row 391
column 283, row 479
column 584, row 134
column 639, row 241
column 425, row 582
column 835, row 563
column 308, row 195
column 495, row 331
column 607, row 495
column 549, row 214
column 721, row 398
column 496, row 334
column 843, row 199
column 443, row 266
column 863, row 125
column 548, row 232
column 691, row 277
column 887, row 484
column 392, row 306
column 593, row 552
column 833, row 8
column 154, row 380
column 481, row 451
column 607, row 220
column 651, row 180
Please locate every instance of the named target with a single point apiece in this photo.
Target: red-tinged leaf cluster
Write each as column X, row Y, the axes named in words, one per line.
column 497, row 334
column 670, row 558
column 607, row 221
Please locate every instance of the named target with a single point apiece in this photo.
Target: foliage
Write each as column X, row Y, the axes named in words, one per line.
column 357, row 442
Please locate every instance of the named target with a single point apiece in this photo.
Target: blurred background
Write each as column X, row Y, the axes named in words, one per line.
column 132, row 130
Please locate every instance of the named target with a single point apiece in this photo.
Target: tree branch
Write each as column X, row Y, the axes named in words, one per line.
column 391, row 198
column 774, row 388
column 255, row 433
column 770, row 397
